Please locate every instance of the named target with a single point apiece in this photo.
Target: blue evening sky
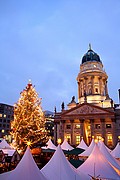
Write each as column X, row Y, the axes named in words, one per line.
column 44, row 40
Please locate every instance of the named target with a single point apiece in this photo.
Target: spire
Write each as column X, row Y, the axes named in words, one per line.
column 89, row 46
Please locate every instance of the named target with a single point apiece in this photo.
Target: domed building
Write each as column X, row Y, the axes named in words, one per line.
column 92, row 81
column 94, row 115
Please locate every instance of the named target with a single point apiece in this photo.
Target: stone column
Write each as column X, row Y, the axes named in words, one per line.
column 79, row 91
column 103, row 129
column 86, row 88
column 63, row 129
column 72, row 131
column 81, row 126
column 92, row 86
column 106, row 91
column 114, row 132
column 100, row 85
column 92, row 127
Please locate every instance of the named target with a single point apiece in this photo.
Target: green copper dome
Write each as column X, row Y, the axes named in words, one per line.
column 91, row 56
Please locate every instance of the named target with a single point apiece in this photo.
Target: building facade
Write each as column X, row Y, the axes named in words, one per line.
column 49, row 124
column 6, row 115
column 94, row 115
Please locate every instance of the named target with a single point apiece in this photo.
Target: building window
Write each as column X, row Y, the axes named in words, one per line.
column 68, row 138
column 0, row 115
column 98, row 137
column 68, row 126
column 109, row 139
column 96, row 90
column 77, row 126
column 108, row 126
column 97, row 126
column 77, row 139
column 4, row 125
column 7, row 126
column 4, row 115
column 90, row 91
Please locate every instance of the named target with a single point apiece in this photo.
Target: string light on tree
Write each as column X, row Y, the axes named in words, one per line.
column 29, row 119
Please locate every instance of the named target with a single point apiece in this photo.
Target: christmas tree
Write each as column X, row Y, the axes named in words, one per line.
column 29, row 120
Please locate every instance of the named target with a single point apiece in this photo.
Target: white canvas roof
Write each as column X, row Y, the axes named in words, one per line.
column 59, row 168
column 4, row 145
column 108, row 156
column 66, row 146
column 96, row 164
column 116, row 151
column 99, row 144
column 88, row 151
column 82, row 145
column 25, row 170
column 9, row 152
column 50, row 145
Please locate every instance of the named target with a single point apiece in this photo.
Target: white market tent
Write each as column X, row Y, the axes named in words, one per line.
column 50, row 145
column 97, row 165
column 109, row 157
column 82, row 145
column 59, row 168
column 88, row 151
column 116, row 151
column 4, row 145
column 66, row 146
column 99, row 144
column 9, row 151
column 25, row 170
column 15, row 156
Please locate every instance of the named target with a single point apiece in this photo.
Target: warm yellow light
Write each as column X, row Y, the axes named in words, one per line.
column 3, row 130
column 92, row 137
column 59, row 141
column 102, row 139
column 119, row 137
column 28, row 143
column 96, row 140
